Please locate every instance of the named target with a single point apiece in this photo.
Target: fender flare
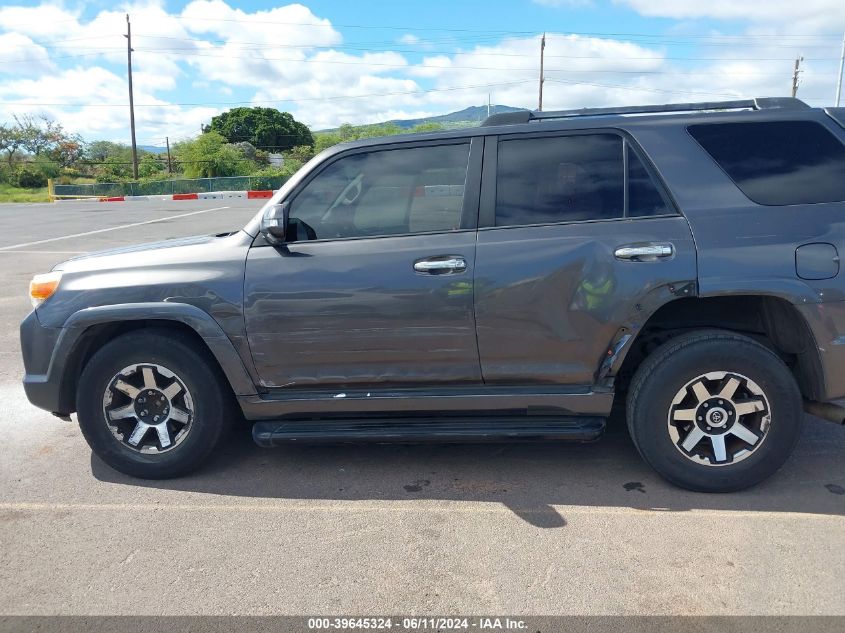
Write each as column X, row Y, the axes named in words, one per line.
column 195, row 318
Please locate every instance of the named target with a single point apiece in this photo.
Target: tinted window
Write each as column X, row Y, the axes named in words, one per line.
column 643, row 196
column 794, row 162
column 559, row 179
column 386, row 192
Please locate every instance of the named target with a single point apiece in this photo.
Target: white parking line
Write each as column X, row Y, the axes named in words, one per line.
column 111, row 228
column 415, row 506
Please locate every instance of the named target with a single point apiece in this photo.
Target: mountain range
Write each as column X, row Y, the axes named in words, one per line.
column 467, row 117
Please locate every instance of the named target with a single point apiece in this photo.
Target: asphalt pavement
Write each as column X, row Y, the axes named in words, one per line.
column 360, row 529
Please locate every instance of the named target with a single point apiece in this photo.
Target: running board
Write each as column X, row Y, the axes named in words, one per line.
column 479, row 429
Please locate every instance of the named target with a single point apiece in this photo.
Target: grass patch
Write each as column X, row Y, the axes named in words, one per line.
column 8, row 193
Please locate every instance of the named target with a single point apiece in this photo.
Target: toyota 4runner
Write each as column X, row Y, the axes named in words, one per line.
column 511, row 281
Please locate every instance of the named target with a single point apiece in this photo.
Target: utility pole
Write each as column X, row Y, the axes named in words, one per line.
column 542, row 79
column 839, row 77
column 169, row 164
column 128, row 37
column 796, row 72
column 488, row 104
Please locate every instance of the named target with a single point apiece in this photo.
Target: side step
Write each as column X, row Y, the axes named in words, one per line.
column 477, row 429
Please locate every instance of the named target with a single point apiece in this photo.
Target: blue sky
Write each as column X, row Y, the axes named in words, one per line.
column 330, row 62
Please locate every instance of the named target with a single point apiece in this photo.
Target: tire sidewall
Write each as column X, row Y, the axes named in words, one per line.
column 192, row 369
column 668, row 373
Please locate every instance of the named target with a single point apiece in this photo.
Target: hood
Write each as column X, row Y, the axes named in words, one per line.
column 196, row 248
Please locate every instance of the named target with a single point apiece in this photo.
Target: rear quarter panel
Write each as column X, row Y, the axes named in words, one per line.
column 746, row 248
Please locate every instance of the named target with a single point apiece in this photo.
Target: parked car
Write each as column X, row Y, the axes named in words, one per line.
column 511, row 281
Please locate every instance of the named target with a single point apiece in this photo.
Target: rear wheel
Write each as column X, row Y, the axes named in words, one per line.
column 714, row 411
column 151, row 405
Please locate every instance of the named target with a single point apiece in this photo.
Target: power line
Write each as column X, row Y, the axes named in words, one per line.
column 194, row 52
column 254, row 102
column 260, row 21
column 639, row 88
column 454, row 67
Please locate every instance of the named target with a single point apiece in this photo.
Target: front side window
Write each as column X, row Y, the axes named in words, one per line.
column 778, row 162
column 387, row 192
column 559, row 179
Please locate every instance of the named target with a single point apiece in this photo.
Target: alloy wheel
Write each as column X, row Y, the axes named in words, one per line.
column 148, row 408
column 719, row 418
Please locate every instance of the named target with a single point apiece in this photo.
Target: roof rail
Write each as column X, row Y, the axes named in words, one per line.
column 764, row 103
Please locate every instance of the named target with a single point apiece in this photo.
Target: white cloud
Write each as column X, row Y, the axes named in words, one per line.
column 44, row 20
column 109, row 118
column 787, row 16
column 768, row 11
column 22, row 56
column 289, row 57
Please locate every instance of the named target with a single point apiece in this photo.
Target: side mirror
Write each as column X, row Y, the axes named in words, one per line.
column 274, row 223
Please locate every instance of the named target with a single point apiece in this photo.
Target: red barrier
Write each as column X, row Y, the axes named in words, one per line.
column 259, row 194
column 185, row 196
column 113, row 199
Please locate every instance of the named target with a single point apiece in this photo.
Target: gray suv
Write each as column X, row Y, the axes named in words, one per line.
column 512, row 281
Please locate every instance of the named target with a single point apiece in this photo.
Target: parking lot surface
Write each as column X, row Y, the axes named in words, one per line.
column 510, row 529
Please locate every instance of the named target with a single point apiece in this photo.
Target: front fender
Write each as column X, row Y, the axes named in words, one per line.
column 47, row 379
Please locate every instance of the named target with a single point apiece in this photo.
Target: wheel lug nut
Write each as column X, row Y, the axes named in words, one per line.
column 155, row 419
column 706, row 405
column 720, row 402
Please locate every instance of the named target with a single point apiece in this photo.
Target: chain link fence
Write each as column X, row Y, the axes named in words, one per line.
column 168, row 187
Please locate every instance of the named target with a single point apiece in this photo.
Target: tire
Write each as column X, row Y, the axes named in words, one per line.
column 676, row 395
column 194, row 411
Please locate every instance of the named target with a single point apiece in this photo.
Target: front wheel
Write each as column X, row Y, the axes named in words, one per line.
column 151, row 405
column 714, row 411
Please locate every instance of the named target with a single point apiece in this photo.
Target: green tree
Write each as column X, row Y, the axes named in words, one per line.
column 149, row 166
column 30, row 177
column 266, row 128
column 426, row 127
column 39, row 134
column 11, row 141
column 324, row 140
column 67, row 151
column 209, row 156
column 113, row 169
column 98, row 151
column 301, row 153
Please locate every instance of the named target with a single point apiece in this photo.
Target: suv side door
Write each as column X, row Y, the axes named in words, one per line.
column 577, row 246
column 375, row 288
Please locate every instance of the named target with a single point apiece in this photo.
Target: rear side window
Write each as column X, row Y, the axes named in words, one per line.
column 559, row 179
column 778, row 163
column 643, row 197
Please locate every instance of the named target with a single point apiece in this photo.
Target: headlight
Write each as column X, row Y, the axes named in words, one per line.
column 43, row 286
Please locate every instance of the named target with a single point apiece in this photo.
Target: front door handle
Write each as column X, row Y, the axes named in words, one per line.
column 441, row 265
column 644, row 252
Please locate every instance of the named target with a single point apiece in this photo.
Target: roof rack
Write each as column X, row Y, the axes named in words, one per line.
column 764, row 103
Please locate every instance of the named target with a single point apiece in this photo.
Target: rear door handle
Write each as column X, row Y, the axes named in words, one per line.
column 441, row 265
column 644, row 252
